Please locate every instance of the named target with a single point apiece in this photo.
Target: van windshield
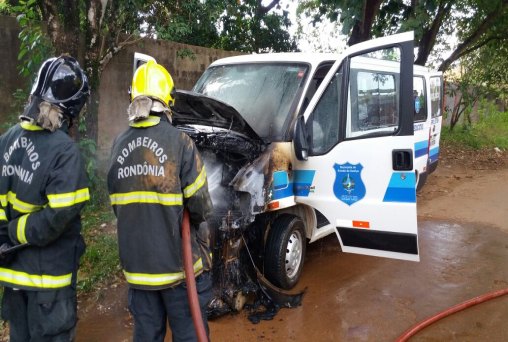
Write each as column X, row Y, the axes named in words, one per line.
column 263, row 93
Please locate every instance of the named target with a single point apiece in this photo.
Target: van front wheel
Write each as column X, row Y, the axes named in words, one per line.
column 285, row 251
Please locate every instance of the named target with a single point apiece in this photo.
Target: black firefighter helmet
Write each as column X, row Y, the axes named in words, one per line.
column 61, row 82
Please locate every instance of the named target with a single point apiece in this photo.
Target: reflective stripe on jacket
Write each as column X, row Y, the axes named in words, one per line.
column 156, row 170
column 43, row 187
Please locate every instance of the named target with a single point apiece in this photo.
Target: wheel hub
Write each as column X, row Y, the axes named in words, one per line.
column 293, row 254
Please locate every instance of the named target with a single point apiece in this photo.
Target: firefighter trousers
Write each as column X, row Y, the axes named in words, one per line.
column 152, row 309
column 39, row 316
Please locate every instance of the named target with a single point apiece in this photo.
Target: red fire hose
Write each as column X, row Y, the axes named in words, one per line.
column 425, row 323
column 190, row 279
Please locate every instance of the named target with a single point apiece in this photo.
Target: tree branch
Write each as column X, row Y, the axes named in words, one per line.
column 481, row 44
column 428, row 39
column 475, row 36
column 265, row 9
column 115, row 49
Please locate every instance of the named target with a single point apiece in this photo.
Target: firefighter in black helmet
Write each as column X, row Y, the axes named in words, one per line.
column 43, row 187
column 155, row 171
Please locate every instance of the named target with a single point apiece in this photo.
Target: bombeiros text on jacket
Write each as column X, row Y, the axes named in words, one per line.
column 23, row 174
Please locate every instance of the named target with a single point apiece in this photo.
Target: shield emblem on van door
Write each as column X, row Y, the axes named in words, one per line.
column 348, row 186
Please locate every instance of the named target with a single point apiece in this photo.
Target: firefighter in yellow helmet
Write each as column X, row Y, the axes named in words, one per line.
column 155, row 171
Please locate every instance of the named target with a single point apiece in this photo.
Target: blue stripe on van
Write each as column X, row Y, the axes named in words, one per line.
column 401, row 188
column 282, row 187
column 283, row 193
column 434, row 154
column 421, row 148
column 303, row 181
column 280, row 180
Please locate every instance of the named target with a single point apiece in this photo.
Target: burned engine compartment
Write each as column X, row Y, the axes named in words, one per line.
column 240, row 167
column 239, row 177
column 225, row 154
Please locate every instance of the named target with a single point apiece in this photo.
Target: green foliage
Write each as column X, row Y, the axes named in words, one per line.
column 490, row 131
column 190, row 22
column 392, row 16
column 19, row 98
column 484, row 75
column 5, row 8
column 248, row 27
column 223, row 24
column 100, row 263
column 434, row 22
column 88, row 148
column 462, row 136
column 186, row 53
column 35, row 47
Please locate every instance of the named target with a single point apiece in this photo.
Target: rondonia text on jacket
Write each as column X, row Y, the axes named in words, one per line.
column 128, row 170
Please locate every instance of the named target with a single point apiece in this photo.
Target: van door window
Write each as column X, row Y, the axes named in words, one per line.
column 420, row 108
column 373, row 94
column 435, row 96
column 314, row 83
column 324, row 120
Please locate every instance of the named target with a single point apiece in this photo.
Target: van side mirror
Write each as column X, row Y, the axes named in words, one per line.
column 300, row 139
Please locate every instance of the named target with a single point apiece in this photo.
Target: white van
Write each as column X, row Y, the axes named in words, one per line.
column 427, row 88
column 300, row 146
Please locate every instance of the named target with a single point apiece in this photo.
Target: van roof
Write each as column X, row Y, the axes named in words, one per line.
column 293, row 57
column 300, row 57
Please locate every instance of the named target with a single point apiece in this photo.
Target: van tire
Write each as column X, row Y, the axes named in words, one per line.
column 285, row 251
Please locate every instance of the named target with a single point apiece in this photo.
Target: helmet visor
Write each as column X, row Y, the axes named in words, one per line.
column 66, row 82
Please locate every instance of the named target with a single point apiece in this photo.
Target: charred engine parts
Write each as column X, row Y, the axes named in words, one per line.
column 239, row 171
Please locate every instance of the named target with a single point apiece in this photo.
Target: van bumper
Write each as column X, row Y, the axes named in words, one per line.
column 432, row 167
column 422, row 179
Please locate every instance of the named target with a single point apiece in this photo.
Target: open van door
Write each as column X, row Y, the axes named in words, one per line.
column 139, row 60
column 436, row 107
column 354, row 149
column 422, row 122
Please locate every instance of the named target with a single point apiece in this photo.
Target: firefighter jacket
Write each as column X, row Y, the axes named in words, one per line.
column 155, row 171
column 43, row 187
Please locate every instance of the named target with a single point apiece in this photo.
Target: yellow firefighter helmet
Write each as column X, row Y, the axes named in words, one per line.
column 153, row 80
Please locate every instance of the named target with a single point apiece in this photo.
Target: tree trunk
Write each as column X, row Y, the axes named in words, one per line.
column 94, row 41
column 64, row 33
column 63, row 28
column 456, row 113
column 362, row 29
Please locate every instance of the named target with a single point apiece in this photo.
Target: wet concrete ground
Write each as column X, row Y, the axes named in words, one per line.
column 360, row 298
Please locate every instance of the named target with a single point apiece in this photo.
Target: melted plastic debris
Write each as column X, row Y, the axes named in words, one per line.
column 270, row 301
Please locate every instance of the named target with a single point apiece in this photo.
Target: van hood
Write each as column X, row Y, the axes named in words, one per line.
column 196, row 109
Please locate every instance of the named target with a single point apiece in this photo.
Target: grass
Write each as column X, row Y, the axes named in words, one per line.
column 100, row 263
column 490, row 131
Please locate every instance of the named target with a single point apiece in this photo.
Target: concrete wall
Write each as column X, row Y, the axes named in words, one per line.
column 116, row 77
